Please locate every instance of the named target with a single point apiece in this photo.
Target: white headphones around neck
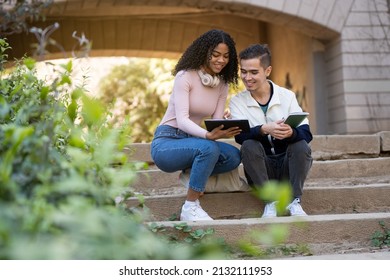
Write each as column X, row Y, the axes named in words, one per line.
column 208, row 80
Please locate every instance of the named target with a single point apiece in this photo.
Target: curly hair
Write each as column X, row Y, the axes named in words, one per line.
column 199, row 53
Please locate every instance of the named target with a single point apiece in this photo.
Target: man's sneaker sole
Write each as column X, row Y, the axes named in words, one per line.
column 195, row 220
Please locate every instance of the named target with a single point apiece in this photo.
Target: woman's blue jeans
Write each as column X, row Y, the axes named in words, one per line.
column 172, row 150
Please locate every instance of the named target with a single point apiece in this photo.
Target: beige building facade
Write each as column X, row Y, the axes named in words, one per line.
column 334, row 54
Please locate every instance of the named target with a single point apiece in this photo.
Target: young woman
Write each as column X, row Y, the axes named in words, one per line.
column 202, row 76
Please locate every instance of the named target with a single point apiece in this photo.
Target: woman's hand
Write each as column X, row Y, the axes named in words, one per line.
column 219, row 132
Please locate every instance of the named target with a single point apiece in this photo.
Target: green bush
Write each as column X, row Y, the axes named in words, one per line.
column 142, row 89
column 61, row 167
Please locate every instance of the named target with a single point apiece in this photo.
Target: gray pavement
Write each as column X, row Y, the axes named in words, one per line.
column 382, row 255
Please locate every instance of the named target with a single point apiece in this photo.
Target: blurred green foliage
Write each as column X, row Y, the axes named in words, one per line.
column 138, row 92
column 381, row 238
column 276, row 191
column 259, row 243
column 62, row 166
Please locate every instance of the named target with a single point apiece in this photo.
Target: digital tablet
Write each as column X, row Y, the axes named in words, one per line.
column 227, row 123
column 295, row 119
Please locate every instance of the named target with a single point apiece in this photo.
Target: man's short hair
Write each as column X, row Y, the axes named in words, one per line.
column 260, row 51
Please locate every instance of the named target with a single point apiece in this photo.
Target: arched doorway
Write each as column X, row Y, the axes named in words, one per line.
column 155, row 29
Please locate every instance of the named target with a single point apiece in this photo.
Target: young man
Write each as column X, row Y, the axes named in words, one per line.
column 272, row 150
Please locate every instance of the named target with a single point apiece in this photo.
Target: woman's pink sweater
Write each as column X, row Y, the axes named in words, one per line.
column 191, row 102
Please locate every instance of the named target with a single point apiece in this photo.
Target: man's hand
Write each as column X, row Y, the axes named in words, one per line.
column 278, row 129
column 227, row 114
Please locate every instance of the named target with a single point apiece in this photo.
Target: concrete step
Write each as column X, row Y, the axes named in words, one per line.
column 346, row 195
column 334, row 229
column 237, row 205
column 324, row 147
column 155, row 181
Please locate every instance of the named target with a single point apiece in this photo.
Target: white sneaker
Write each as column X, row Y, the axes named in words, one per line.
column 194, row 212
column 270, row 210
column 295, row 208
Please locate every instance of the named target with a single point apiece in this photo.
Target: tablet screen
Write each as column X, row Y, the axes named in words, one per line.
column 227, row 123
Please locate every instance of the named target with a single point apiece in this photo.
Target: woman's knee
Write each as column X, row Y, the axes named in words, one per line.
column 229, row 154
column 210, row 147
column 235, row 157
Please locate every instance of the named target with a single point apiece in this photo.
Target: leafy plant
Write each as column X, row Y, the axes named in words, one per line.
column 275, row 191
column 62, row 168
column 184, row 232
column 295, row 249
column 142, row 89
column 381, row 238
column 15, row 15
column 201, row 241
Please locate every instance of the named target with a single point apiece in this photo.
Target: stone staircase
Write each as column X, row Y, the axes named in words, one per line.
column 346, row 195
